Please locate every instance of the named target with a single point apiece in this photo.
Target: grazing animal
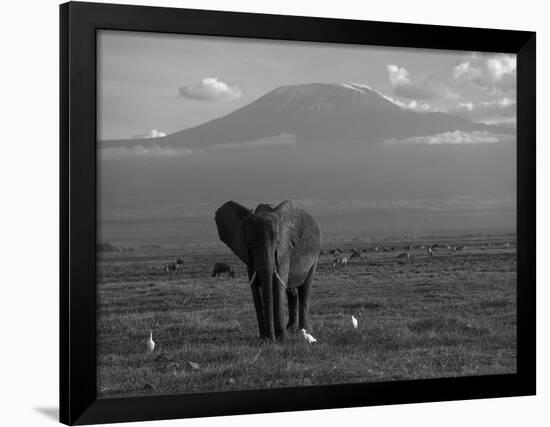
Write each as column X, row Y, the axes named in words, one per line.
column 280, row 246
column 307, row 336
column 150, row 343
column 344, row 261
column 354, row 321
column 172, row 266
column 336, row 262
column 222, row 267
column 430, row 251
column 403, row 257
column 354, row 254
column 179, row 261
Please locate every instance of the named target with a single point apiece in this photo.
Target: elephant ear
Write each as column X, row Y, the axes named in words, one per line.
column 289, row 216
column 264, row 207
column 229, row 220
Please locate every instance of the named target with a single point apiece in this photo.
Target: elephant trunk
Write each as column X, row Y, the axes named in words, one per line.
column 264, row 273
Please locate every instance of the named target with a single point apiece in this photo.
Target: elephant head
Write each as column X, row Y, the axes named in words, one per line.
column 265, row 240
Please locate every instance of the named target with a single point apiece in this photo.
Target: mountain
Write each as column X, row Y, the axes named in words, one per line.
column 353, row 190
column 317, row 113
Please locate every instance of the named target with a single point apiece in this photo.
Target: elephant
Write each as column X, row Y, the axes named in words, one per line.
column 222, row 267
column 280, row 247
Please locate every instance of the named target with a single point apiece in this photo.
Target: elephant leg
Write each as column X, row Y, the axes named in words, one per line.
column 292, row 295
column 304, row 294
column 279, row 309
column 257, row 297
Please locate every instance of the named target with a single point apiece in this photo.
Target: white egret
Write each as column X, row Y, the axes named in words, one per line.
column 307, row 336
column 354, row 321
column 150, row 343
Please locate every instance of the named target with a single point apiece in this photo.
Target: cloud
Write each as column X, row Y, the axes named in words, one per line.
column 398, row 76
column 144, row 151
column 466, row 70
column 278, row 140
column 491, row 112
column 413, row 105
column 456, row 137
column 495, row 74
column 403, row 86
column 211, row 89
column 153, row 133
column 160, row 151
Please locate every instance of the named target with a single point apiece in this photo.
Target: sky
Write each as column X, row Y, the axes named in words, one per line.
column 150, row 85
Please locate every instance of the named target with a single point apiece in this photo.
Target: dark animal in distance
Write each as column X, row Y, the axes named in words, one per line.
column 280, row 246
column 354, row 254
column 222, row 267
column 403, row 257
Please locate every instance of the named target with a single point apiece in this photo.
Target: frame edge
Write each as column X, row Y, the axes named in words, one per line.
column 64, row 354
column 526, row 215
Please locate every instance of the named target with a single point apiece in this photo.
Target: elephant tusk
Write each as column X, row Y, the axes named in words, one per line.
column 252, row 280
column 280, row 280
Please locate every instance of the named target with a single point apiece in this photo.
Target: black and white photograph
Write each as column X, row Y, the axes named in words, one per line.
column 275, row 213
column 278, row 213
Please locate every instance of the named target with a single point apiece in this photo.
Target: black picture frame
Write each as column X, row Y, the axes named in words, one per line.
column 79, row 23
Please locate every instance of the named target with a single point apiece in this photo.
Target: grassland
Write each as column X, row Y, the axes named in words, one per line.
column 452, row 314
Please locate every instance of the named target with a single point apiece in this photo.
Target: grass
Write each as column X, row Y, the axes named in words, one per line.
column 450, row 315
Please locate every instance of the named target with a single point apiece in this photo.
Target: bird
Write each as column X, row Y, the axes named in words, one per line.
column 354, row 321
column 150, row 343
column 308, row 337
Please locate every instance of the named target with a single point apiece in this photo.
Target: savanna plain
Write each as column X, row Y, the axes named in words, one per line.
column 446, row 315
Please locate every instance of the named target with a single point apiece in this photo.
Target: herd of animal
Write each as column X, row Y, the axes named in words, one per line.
column 340, row 259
